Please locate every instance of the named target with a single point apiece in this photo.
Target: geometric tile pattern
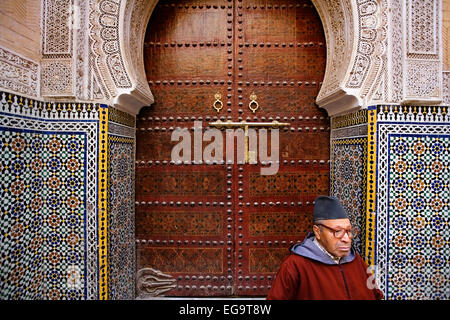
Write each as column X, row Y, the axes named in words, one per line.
column 349, row 181
column 418, row 217
column 121, row 234
column 49, row 177
column 56, row 196
column 412, row 202
column 348, row 172
column 405, row 164
column 42, row 224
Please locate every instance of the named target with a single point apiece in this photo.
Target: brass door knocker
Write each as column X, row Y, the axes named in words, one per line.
column 218, row 105
column 253, row 105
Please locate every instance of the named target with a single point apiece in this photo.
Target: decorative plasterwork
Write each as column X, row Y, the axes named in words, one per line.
column 371, row 33
column 104, row 41
column 422, row 82
column 18, row 75
column 134, row 30
column 83, row 73
column 337, row 20
column 56, row 29
column 103, row 30
column 57, row 78
column 373, row 21
column 355, row 34
column 395, row 52
column 422, row 27
column 359, row 71
column 117, row 28
column 446, row 87
column 335, row 17
column 57, row 48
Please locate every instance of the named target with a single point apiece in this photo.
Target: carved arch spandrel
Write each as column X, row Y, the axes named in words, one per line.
column 353, row 31
column 117, row 31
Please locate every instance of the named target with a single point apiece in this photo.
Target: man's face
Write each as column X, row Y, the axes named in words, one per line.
column 339, row 247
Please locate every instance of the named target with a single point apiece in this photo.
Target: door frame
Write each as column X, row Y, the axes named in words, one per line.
column 351, row 71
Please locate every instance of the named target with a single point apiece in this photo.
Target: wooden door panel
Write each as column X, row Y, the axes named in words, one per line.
column 290, row 182
column 260, row 27
column 280, row 221
column 199, row 271
column 186, row 100
column 284, row 99
column 188, row 22
column 177, row 222
column 183, row 226
column 153, row 146
column 178, row 182
column 282, row 61
column 295, row 146
column 292, row 26
column 222, row 229
column 274, row 212
column 198, row 63
column 268, row 62
column 173, row 260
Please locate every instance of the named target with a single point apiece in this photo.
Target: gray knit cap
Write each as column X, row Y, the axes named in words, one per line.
column 328, row 208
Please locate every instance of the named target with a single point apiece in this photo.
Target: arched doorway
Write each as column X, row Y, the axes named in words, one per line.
column 219, row 228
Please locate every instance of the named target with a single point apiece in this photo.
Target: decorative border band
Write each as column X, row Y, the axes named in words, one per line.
column 121, row 117
column 359, row 242
column 15, row 104
column 102, row 203
column 399, row 113
column 349, row 120
column 118, row 288
column 371, row 185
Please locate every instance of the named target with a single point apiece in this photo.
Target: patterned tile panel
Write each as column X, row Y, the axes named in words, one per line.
column 49, row 198
column 121, row 234
column 349, row 183
column 349, row 169
column 412, row 202
column 418, row 217
column 43, row 221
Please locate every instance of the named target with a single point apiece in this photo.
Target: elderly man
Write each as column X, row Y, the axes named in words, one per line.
column 324, row 266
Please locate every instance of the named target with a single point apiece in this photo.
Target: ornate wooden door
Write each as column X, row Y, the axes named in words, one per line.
column 221, row 228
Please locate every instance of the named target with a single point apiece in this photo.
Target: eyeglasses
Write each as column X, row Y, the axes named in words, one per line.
column 339, row 233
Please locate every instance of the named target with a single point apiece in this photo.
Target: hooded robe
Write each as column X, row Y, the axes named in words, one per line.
column 308, row 273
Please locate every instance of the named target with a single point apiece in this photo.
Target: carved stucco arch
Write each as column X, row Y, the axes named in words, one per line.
column 355, row 32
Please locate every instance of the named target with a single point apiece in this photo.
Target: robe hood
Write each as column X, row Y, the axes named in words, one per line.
column 310, row 250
